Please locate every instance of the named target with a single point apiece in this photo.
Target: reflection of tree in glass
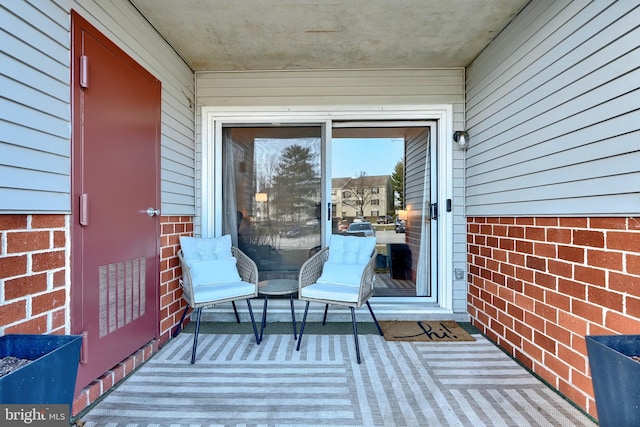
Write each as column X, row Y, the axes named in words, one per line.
column 397, row 183
column 358, row 191
column 295, row 183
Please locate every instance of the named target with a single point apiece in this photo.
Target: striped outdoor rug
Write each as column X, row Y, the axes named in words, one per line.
column 235, row 382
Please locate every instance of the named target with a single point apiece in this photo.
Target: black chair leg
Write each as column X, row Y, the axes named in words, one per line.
column 195, row 335
column 253, row 322
column 263, row 323
column 304, row 321
column 235, row 310
column 293, row 315
column 374, row 318
column 178, row 328
column 355, row 333
column 324, row 319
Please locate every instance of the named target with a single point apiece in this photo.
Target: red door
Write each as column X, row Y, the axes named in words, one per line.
column 115, row 190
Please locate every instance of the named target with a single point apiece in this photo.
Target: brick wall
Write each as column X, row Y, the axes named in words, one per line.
column 171, row 302
column 537, row 286
column 33, row 274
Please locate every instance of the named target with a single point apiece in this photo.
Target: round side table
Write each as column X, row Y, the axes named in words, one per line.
column 278, row 287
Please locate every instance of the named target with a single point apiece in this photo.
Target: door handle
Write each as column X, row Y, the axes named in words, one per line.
column 153, row 212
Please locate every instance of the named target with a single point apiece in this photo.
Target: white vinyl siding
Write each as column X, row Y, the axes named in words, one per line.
column 34, row 108
column 553, row 110
column 35, row 164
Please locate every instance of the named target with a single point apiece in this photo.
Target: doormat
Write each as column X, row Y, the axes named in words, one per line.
column 425, row 331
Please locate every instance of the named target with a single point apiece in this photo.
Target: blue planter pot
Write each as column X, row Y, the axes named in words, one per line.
column 49, row 378
column 616, row 378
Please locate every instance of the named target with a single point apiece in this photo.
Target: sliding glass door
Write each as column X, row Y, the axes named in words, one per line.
column 286, row 188
column 271, row 192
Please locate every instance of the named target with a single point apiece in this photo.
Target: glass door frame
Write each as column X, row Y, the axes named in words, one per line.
column 210, row 224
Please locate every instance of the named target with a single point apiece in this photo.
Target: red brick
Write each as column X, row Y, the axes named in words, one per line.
column 35, row 325
column 524, row 247
column 560, row 268
column 624, row 283
column 545, row 250
column 545, row 342
column 525, row 221
column 13, row 266
column 633, row 306
column 13, row 222
column 13, row 312
column 534, row 321
column 593, row 276
column 605, row 259
column 558, row 235
column 571, row 288
column 622, row 324
column 48, row 261
column 587, row 311
column 574, row 222
column 48, row 301
column 547, row 312
column 59, row 239
column 571, row 253
column 59, row 279
column 47, row 221
column 535, row 233
column 537, row 263
column 608, row 223
column 557, row 300
column 623, row 240
column 515, row 232
column 547, row 221
column 588, row 238
column 546, row 280
column 573, row 323
column 605, row 298
column 25, row 285
column 633, row 264
column 26, row 241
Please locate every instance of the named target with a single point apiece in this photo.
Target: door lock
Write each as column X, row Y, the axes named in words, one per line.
column 153, row 212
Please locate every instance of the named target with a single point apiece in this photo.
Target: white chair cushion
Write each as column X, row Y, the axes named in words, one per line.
column 351, row 249
column 209, row 272
column 221, row 291
column 341, row 274
column 195, row 248
column 331, row 292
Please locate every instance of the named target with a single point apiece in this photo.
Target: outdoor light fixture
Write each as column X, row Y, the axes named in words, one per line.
column 402, row 214
column 461, row 138
column 261, row 197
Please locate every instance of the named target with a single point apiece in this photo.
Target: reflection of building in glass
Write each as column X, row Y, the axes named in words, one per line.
column 368, row 196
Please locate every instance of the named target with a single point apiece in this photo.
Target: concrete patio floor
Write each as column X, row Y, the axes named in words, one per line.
column 235, row 382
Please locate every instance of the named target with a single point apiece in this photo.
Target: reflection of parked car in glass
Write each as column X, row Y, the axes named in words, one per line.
column 294, row 232
column 400, row 226
column 364, row 228
column 384, row 219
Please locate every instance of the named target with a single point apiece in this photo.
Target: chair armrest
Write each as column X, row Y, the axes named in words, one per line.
column 368, row 279
column 312, row 268
column 247, row 268
column 185, row 281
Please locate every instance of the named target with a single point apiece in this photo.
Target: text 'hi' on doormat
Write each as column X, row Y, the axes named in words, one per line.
column 425, row 331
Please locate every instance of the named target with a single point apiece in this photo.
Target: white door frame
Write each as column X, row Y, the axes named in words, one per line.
column 213, row 118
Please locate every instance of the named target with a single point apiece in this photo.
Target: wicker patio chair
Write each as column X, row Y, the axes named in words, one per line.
column 215, row 272
column 341, row 274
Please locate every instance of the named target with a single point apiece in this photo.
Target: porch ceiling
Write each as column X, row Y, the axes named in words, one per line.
column 223, row 35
